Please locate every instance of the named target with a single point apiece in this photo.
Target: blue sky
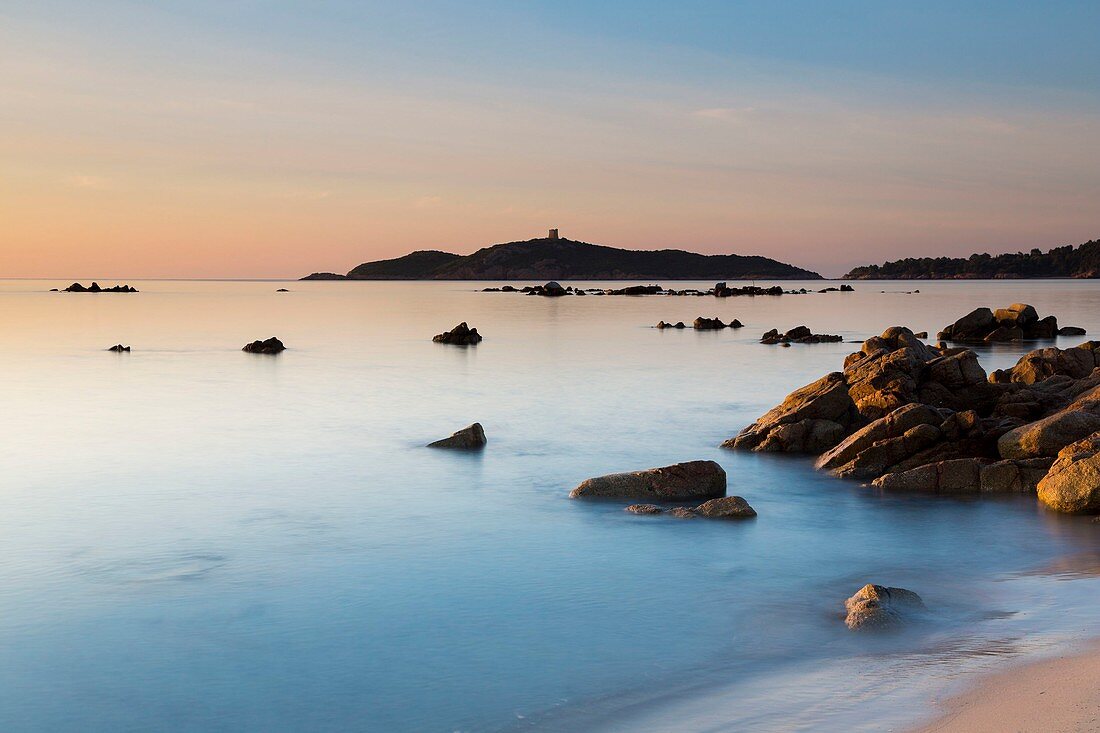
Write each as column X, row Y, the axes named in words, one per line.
column 260, row 138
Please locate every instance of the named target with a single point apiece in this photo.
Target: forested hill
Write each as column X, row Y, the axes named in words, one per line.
column 1082, row 261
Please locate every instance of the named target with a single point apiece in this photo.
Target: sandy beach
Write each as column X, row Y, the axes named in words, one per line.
column 1057, row 695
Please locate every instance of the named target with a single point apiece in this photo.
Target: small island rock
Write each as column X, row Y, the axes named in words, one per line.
column 468, row 438
column 727, row 507
column 268, row 346
column 460, row 335
column 678, row 482
column 879, row 607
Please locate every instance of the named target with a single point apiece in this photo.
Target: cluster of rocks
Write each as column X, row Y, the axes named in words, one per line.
column 726, row 507
column 267, row 346
column 798, row 335
column 909, row 416
column 460, row 335
column 1017, row 322
column 95, row 288
column 703, row 323
column 720, row 290
column 471, row 437
column 119, row 348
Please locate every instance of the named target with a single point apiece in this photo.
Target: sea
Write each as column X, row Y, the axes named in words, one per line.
column 195, row 538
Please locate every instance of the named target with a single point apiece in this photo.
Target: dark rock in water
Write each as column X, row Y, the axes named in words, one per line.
column 1071, row 331
column 460, row 335
column 269, row 346
column 325, row 276
column 876, row 607
column 850, row 289
column 727, row 507
column 644, row 509
column 95, row 288
column 282, row 290
column 53, row 290
column 1017, row 322
column 797, row 335
column 552, row 289
column 679, row 482
column 638, row 290
column 470, row 437
column 119, row 348
column 678, row 324
column 707, row 324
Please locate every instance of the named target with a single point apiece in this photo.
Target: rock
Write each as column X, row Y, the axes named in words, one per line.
column 268, row 346
column 681, row 513
column 119, row 348
column 470, row 437
column 552, row 289
column 1040, row 364
column 957, row 476
column 810, row 420
column 1016, row 322
column 890, row 426
column 879, row 607
column 707, row 324
column 1071, row 331
column 460, row 335
column 678, row 482
column 95, row 288
column 728, row 507
column 921, row 334
column 1073, row 484
column 798, row 335
column 1048, row 436
column 644, row 509
column 1014, row 476
column 282, row 290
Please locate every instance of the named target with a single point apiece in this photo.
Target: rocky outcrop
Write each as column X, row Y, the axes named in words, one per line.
column 1017, row 322
column 471, row 437
column 460, row 335
column 1041, row 364
column 727, row 507
column 95, row 288
column 268, row 346
column 798, row 335
column 877, row 607
column 709, row 324
column 811, row 420
column 1073, row 484
column 678, row 482
column 678, row 324
column 911, row 417
column 119, row 348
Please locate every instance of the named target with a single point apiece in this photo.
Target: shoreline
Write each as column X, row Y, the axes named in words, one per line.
column 1057, row 694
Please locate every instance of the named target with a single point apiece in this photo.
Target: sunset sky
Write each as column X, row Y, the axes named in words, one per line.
column 240, row 138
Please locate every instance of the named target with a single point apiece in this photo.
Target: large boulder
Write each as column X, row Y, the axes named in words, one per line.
column 460, row 335
column 727, row 507
column 956, row 476
column 1046, row 437
column 810, row 420
column 1073, row 483
column 678, row 482
column 974, row 326
column 1016, row 322
column 268, row 346
column 1014, row 476
column 890, row 426
column 468, row 438
column 876, row 607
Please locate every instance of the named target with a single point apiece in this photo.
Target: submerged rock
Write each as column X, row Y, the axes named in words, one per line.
column 470, row 437
column 678, row 482
column 460, row 335
column 119, row 348
column 681, row 512
column 727, row 507
column 268, row 346
column 644, row 509
column 877, row 607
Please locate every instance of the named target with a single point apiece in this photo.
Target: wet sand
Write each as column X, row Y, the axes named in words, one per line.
column 1058, row 695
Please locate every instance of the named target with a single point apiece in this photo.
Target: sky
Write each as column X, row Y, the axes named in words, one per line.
column 244, row 138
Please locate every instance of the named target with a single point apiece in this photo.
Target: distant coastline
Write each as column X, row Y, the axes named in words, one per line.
column 553, row 258
column 1082, row 261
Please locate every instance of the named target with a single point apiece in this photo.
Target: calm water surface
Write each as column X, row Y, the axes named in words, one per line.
column 195, row 538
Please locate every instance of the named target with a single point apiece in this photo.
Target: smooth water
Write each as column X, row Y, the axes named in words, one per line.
column 196, row 538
